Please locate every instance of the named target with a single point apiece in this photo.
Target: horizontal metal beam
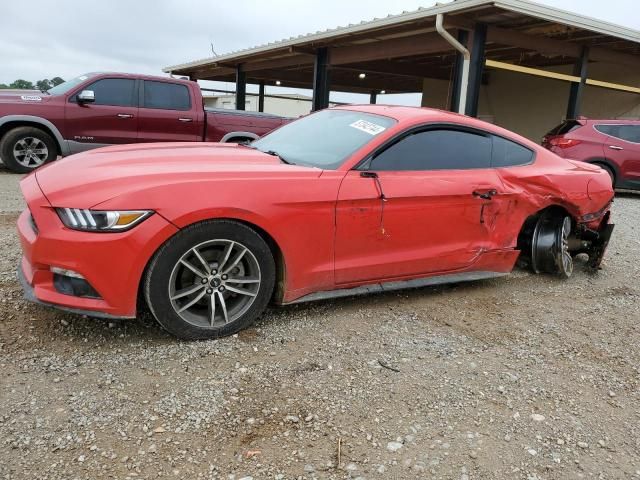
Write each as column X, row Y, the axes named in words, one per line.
column 394, row 48
column 560, row 76
column 532, row 42
column 283, row 62
column 531, row 71
column 397, row 69
column 550, row 46
column 612, row 86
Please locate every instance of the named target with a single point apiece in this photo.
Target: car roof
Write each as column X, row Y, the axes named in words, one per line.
column 401, row 113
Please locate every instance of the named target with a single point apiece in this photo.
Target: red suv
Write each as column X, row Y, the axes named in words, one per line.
column 612, row 144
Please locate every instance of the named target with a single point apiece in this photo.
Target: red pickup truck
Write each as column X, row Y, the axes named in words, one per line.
column 99, row 109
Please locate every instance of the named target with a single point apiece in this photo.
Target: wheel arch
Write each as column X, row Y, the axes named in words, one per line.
column 525, row 235
column 603, row 161
column 240, row 135
column 276, row 251
column 9, row 122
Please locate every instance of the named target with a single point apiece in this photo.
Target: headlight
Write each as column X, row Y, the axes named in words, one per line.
column 101, row 220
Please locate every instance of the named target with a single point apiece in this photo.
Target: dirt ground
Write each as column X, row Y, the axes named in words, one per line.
column 522, row 377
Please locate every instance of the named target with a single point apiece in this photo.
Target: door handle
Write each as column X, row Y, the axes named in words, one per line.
column 485, row 195
column 185, row 120
column 125, row 115
column 615, row 147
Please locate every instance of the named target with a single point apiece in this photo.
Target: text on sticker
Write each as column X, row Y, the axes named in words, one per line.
column 367, row 127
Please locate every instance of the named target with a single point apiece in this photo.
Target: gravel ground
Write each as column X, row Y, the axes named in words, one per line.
column 522, row 377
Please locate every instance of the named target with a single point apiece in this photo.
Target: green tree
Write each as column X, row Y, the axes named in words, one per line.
column 55, row 81
column 2, row 85
column 22, row 84
column 43, row 85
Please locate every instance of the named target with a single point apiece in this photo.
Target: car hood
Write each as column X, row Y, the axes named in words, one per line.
column 88, row 179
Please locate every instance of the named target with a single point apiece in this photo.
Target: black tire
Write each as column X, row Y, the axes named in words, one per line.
column 240, row 140
column 160, row 275
column 12, row 138
column 549, row 245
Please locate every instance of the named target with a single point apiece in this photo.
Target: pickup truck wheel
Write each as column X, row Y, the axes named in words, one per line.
column 210, row 280
column 24, row 149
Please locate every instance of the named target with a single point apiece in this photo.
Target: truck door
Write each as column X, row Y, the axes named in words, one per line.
column 112, row 118
column 168, row 114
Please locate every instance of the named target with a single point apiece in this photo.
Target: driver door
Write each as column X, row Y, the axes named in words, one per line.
column 111, row 119
column 417, row 209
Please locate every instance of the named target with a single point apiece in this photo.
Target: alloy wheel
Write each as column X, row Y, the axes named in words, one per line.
column 565, row 261
column 30, row 152
column 214, row 283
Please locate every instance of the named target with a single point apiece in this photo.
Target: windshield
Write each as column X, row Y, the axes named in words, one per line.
column 325, row 139
column 68, row 85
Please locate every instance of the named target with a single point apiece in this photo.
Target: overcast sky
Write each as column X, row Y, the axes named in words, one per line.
column 43, row 39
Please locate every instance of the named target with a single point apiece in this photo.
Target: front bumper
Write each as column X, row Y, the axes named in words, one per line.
column 112, row 263
column 30, row 296
column 600, row 242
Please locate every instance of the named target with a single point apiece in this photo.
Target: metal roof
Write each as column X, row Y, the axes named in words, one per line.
column 522, row 7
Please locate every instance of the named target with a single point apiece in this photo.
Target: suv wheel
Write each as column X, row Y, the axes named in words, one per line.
column 24, row 149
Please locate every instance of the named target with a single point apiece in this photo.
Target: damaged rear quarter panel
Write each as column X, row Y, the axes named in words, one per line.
column 550, row 181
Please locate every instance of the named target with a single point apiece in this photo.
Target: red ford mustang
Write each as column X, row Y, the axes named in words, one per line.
column 348, row 200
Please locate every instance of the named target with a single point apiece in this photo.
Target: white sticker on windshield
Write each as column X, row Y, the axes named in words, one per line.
column 368, row 127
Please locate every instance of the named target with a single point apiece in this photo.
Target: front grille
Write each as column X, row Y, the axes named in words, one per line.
column 33, row 224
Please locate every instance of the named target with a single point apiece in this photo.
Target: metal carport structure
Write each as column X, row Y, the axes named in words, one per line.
column 402, row 53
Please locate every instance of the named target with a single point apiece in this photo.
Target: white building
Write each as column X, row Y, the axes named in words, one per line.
column 287, row 105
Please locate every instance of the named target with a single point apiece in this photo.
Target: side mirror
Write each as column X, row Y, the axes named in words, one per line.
column 86, row 96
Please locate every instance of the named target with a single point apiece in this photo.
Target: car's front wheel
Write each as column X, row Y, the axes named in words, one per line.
column 210, row 280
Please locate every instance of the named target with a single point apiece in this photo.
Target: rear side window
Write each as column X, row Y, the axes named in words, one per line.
column 166, row 96
column 118, row 92
column 509, row 154
column 441, row 149
column 629, row 133
column 565, row 127
column 608, row 129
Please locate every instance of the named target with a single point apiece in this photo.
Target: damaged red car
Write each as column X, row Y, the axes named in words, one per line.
column 348, row 200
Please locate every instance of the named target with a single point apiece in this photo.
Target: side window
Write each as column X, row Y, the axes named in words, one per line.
column 441, row 149
column 166, row 96
column 118, row 92
column 608, row 129
column 509, row 154
column 630, row 133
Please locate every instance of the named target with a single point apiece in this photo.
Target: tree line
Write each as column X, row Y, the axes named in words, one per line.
column 43, row 85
